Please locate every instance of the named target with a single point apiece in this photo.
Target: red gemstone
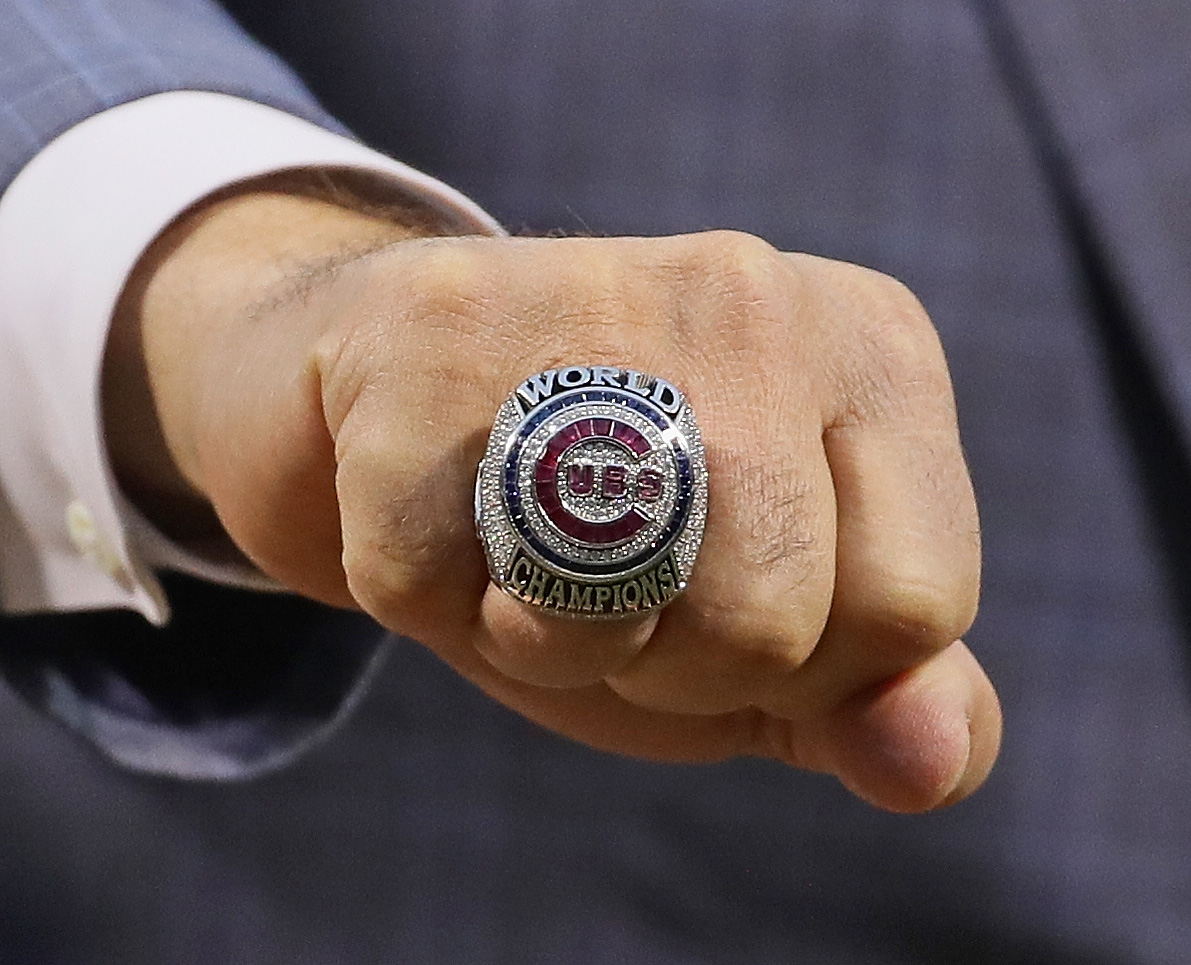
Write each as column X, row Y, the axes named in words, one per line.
column 649, row 485
column 614, row 481
column 580, row 478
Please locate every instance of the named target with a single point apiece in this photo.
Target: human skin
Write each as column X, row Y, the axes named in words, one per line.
column 317, row 382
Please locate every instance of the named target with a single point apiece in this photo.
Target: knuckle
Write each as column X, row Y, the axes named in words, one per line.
column 919, row 617
column 440, row 296
column 900, row 301
column 384, row 567
column 406, row 563
column 345, row 362
column 768, row 650
column 730, row 319
column 719, row 265
column 761, row 639
column 376, row 582
column 742, row 267
column 899, row 365
column 774, row 652
column 903, row 334
column 737, row 250
column 398, row 580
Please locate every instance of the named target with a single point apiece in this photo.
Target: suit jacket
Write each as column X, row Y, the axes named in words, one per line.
column 1025, row 167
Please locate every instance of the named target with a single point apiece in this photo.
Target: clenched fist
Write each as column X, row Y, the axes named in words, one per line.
column 325, row 381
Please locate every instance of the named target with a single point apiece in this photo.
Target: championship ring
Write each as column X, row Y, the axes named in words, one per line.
column 592, row 495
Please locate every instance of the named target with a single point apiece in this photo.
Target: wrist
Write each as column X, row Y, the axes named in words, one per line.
column 190, row 338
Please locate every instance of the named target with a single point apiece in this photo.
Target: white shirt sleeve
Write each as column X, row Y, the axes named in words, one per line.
column 72, row 226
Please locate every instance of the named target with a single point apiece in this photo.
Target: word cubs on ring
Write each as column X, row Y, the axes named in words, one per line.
column 592, row 495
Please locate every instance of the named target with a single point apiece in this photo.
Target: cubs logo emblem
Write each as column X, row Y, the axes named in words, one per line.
column 579, row 479
column 591, row 497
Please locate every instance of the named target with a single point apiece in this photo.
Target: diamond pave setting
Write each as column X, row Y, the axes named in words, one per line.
column 592, row 495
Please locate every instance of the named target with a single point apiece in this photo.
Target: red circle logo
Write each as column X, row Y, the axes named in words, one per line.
column 589, row 482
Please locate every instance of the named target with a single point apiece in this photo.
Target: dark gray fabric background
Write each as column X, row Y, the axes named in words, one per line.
column 1026, row 168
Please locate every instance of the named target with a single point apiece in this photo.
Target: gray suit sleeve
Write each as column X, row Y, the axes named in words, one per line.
column 238, row 684
column 64, row 61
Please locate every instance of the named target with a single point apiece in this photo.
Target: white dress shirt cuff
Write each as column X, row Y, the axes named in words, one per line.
column 72, row 226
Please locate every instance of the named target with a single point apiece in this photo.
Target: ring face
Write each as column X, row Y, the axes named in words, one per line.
column 592, row 495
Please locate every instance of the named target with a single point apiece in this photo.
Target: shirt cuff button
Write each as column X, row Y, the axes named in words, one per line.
column 93, row 546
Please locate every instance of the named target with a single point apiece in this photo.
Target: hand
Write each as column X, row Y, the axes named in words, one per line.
column 329, row 394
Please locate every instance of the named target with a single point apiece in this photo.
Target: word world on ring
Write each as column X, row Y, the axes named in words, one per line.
column 592, row 495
